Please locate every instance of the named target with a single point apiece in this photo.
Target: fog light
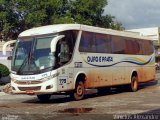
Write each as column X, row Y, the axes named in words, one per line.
column 49, row 87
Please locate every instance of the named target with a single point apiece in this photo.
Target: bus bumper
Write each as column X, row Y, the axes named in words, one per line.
column 45, row 87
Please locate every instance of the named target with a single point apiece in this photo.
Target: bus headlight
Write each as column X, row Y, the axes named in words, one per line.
column 50, row 77
column 46, row 78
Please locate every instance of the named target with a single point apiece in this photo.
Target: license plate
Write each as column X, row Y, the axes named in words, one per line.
column 29, row 92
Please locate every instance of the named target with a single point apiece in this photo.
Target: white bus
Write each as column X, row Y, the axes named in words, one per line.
column 69, row 58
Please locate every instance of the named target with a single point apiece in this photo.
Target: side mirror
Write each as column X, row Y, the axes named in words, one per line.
column 6, row 44
column 54, row 42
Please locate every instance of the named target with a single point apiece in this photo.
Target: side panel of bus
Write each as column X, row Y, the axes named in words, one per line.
column 109, row 63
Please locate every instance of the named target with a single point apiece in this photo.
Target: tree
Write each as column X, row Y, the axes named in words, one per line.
column 87, row 11
column 19, row 15
column 7, row 18
column 90, row 12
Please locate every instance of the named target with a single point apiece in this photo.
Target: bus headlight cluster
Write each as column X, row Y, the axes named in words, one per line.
column 50, row 77
column 47, row 78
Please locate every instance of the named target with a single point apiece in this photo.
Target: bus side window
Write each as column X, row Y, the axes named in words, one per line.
column 130, row 46
column 138, row 45
column 87, row 42
column 118, row 45
column 147, row 47
column 103, row 43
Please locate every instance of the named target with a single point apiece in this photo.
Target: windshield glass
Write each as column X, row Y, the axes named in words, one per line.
column 33, row 56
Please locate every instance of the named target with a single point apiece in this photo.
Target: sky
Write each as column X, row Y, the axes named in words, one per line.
column 135, row 13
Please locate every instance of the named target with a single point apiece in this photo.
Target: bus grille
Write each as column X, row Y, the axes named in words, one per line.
column 29, row 88
column 27, row 82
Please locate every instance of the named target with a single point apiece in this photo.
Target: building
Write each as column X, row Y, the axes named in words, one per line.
column 4, row 58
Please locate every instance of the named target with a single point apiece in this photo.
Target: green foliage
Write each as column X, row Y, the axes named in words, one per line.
column 87, row 11
column 117, row 26
column 4, row 71
column 19, row 15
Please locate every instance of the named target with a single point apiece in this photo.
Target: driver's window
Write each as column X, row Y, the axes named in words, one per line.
column 64, row 51
column 65, row 47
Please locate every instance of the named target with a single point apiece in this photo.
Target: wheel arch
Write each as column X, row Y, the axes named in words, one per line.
column 134, row 81
column 80, row 76
column 134, row 73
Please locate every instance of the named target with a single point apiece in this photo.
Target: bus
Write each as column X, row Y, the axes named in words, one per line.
column 70, row 58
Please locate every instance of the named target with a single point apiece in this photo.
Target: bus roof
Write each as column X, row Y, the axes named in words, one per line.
column 50, row 29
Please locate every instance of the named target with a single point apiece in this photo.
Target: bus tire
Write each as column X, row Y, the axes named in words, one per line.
column 44, row 97
column 79, row 91
column 134, row 83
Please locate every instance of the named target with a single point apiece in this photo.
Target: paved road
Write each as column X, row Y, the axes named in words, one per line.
column 118, row 104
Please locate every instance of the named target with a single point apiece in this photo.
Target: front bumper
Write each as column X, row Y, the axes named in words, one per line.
column 34, row 87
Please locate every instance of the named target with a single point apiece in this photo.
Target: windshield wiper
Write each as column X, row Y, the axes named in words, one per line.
column 29, row 58
column 23, row 64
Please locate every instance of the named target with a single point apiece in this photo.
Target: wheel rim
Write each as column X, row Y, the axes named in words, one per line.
column 79, row 90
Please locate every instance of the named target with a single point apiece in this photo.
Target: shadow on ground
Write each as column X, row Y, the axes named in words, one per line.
column 92, row 94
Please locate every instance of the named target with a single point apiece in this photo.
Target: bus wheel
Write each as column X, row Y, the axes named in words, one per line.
column 79, row 91
column 134, row 83
column 44, row 97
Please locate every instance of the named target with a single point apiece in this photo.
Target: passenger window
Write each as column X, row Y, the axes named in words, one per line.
column 148, row 47
column 87, row 42
column 118, row 45
column 138, row 46
column 131, row 46
column 103, row 43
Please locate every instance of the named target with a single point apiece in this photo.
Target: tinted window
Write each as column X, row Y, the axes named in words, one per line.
column 102, row 43
column 129, row 49
column 87, row 42
column 147, row 47
column 139, row 46
column 132, row 46
column 118, row 45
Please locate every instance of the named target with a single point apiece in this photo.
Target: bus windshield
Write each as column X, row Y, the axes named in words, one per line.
column 33, row 55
